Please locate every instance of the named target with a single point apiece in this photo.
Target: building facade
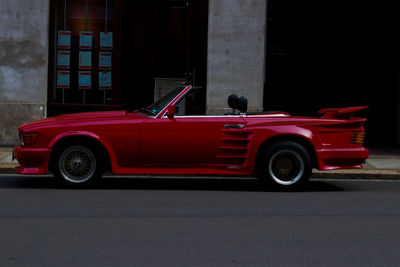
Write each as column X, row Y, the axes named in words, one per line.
column 65, row 56
column 219, row 43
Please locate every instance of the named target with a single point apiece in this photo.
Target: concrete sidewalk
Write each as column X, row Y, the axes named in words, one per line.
column 6, row 163
column 382, row 165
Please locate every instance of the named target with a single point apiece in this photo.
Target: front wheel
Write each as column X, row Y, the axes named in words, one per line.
column 285, row 165
column 77, row 165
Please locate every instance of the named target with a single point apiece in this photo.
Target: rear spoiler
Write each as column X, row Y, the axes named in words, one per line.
column 340, row 113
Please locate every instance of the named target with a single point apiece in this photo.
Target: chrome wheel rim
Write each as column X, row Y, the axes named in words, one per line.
column 286, row 167
column 77, row 164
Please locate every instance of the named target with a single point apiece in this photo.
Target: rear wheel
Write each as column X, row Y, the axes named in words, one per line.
column 77, row 165
column 285, row 165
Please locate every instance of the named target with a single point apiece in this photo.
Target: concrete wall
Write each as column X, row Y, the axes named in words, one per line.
column 236, row 47
column 23, row 64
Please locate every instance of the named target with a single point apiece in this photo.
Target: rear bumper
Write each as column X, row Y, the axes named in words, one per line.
column 341, row 158
column 32, row 160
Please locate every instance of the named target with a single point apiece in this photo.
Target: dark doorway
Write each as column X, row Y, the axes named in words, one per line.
column 162, row 39
column 335, row 54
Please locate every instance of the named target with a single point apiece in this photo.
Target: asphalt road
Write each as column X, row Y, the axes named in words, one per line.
column 184, row 222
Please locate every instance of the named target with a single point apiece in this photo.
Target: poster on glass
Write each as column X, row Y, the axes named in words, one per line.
column 63, row 59
column 85, row 40
column 105, row 80
column 64, row 39
column 63, row 79
column 85, row 79
column 85, row 60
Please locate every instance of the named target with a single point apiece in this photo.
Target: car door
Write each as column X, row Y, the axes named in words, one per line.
column 193, row 141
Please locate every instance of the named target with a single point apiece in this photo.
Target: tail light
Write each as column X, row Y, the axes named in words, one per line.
column 29, row 138
column 357, row 138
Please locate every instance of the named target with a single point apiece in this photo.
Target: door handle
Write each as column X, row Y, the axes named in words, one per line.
column 233, row 126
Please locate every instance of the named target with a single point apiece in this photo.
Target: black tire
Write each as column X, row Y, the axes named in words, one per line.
column 285, row 165
column 77, row 165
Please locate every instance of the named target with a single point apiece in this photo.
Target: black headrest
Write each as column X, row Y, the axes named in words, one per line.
column 242, row 104
column 232, row 101
column 239, row 103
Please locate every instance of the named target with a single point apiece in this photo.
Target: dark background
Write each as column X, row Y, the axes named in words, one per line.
column 335, row 54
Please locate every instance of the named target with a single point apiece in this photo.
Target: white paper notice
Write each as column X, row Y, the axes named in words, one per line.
column 85, row 60
column 85, row 79
column 63, row 59
column 64, row 39
column 105, row 60
column 105, row 80
column 85, row 40
column 63, row 79
column 106, row 40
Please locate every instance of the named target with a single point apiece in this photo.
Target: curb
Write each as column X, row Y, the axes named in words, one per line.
column 8, row 168
column 384, row 176
column 7, row 171
column 360, row 174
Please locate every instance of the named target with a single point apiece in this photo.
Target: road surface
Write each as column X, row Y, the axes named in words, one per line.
column 203, row 222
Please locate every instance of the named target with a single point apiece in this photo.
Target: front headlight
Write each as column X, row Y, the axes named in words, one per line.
column 29, row 138
column 21, row 140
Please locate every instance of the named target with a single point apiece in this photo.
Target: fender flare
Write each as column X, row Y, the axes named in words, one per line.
column 306, row 139
column 89, row 134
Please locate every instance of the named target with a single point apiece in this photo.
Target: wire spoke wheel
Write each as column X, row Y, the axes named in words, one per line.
column 286, row 167
column 77, row 164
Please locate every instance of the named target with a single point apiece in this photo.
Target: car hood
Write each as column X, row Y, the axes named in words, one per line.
column 79, row 118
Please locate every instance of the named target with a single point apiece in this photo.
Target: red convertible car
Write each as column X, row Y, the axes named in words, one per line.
column 275, row 147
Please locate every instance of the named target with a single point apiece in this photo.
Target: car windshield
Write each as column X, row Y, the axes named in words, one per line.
column 160, row 104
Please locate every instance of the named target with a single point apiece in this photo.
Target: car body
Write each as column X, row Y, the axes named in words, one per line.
column 157, row 140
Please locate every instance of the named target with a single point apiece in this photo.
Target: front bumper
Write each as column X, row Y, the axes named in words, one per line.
column 32, row 160
column 341, row 158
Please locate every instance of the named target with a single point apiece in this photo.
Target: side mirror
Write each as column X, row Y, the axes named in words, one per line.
column 171, row 111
